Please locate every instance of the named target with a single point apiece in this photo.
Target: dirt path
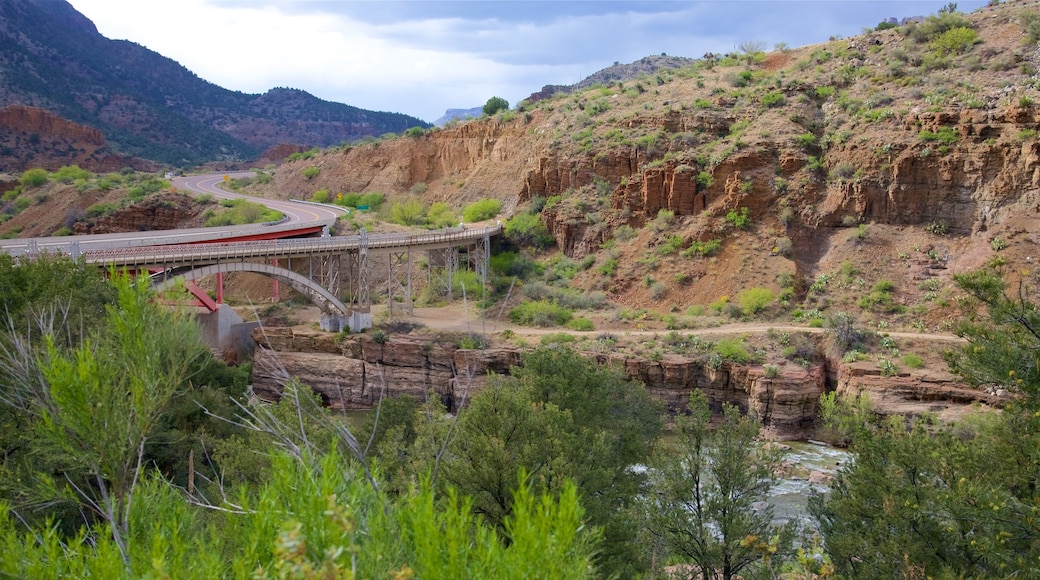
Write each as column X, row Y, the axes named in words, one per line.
column 457, row 318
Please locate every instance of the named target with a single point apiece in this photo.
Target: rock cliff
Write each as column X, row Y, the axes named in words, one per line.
column 31, row 137
column 355, row 373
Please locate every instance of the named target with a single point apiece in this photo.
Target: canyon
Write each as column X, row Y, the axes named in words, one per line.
column 356, row 372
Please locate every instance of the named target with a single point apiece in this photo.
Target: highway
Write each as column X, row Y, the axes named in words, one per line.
column 298, row 214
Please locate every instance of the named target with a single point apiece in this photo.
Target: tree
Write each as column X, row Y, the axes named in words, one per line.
column 481, row 210
column 948, row 500
column 33, row 177
column 440, row 215
column 708, row 491
column 494, row 105
column 94, row 404
column 409, row 212
column 559, row 417
column 527, row 229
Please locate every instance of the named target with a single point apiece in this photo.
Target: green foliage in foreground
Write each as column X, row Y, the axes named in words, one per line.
column 962, row 500
column 315, row 517
column 86, row 418
column 707, row 489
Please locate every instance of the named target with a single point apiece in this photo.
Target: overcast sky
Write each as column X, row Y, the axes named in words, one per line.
column 422, row 57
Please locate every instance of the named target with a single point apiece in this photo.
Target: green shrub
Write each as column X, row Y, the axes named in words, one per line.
column 527, row 229
column 936, row 24
column 71, row 173
column 33, row 178
column 581, row 324
column 945, row 136
column 741, row 219
column 913, row 361
column 492, row 106
column 484, row 209
column 410, row 212
column 608, row 267
column 100, row 210
column 825, row 92
column 705, row 179
column 540, row 313
column 415, row 132
column 320, row 196
column 703, row 249
column 372, row 200
column 773, row 99
column 733, row 349
column 624, row 233
column 955, row 41
column 805, row 140
column 440, row 216
column 754, row 300
column 663, row 220
column 557, row 338
column 671, row 246
column 311, row 172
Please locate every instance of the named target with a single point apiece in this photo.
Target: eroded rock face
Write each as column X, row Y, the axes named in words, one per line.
column 354, row 374
column 931, row 392
column 32, row 137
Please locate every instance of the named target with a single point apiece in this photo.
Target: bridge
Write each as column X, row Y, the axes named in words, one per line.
column 333, row 272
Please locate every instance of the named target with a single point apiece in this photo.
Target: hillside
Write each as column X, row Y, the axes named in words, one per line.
column 148, row 106
column 869, row 168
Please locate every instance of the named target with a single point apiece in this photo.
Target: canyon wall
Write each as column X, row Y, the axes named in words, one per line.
column 355, row 373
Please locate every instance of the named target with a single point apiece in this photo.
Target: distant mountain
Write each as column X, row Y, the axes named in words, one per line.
column 452, row 114
column 616, row 73
column 149, row 106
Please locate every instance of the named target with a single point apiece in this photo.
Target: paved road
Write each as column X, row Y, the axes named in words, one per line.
column 298, row 214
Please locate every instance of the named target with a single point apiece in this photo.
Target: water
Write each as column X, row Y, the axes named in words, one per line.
column 790, row 498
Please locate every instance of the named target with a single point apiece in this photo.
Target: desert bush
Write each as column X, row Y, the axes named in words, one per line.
column 410, row 212
column 754, row 300
column 320, row 196
column 311, row 172
column 540, row 313
column 954, row 41
column 492, row 106
column 937, row 24
column 33, row 178
column 624, row 233
column 663, row 220
column 741, row 219
column 527, row 229
column 440, row 216
column 481, row 210
column 913, row 361
column 581, row 324
column 70, row 173
column 733, row 349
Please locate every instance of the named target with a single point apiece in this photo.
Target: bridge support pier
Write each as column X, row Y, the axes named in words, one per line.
column 333, row 322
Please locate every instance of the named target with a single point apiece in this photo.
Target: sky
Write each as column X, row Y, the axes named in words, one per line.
column 422, row 57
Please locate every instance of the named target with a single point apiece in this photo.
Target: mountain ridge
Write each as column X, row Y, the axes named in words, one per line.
column 150, row 106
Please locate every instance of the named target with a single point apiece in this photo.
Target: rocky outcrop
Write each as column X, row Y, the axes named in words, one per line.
column 32, row 137
column 164, row 212
column 356, row 373
column 925, row 392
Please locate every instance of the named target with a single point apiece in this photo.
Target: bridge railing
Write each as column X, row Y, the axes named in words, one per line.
column 181, row 254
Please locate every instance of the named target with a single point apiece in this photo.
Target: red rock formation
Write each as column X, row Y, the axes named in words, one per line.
column 32, row 137
column 356, row 373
